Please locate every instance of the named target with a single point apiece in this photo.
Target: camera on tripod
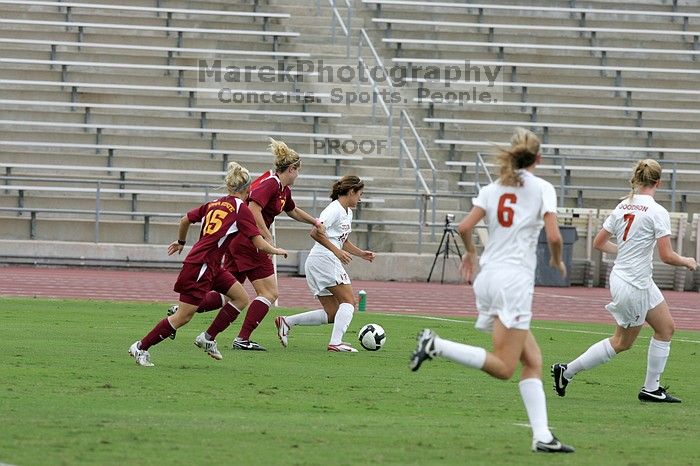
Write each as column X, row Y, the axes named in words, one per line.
column 448, row 244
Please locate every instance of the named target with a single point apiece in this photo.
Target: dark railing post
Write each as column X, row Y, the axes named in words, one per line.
column 146, row 228
column 97, row 211
column 32, row 225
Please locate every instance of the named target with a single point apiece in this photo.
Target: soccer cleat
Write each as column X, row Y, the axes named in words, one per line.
column 172, row 310
column 209, row 346
column 282, row 329
column 660, row 395
column 424, row 350
column 142, row 358
column 341, row 348
column 560, row 382
column 247, row 345
column 555, row 446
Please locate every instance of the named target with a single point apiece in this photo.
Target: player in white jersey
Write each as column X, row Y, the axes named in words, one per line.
column 515, row 208
column 638, row 224
column 325, row 274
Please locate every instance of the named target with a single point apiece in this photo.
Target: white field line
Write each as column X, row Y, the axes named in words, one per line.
column 596, row 301
column 564, row 330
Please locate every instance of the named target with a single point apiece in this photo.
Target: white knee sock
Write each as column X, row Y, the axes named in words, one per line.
column 317, row 317
column 341, row 323
column 470, row 356
column 597, row 354
column 656, row 363
column 532, row 394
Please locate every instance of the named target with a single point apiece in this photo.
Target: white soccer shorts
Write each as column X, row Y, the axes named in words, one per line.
column 506, row 295
column 323, row 272
column 630, row 304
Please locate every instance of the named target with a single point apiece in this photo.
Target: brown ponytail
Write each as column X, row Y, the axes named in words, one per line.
column 345, row 185
column 521, row 154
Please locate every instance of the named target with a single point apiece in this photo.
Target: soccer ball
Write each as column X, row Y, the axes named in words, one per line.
column 372, row 337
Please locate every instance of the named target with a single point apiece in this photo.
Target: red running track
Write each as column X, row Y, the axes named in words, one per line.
column 574, row 304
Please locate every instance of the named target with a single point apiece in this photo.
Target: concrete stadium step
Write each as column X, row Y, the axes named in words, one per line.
column 167, row 99
column 615, row 117
column 131, row 17
column 254, row 163
column 165, row 202
column 234, row 122
column 427, row 248
column 64, row 228
column 146, row 137
column 252, row 144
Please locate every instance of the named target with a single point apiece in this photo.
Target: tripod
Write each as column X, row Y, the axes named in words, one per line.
column 448, row 234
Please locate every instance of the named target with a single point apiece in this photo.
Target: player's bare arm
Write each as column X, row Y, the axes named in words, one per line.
column 602, row 242
column 178, row 245
column 304, row 217
column 256, row 209
column 355, row 251
column 342, row 256
column 555, row 242
column 465, row 229
column 671, row 257
column 262, row 245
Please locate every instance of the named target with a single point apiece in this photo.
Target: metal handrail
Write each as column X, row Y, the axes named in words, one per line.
column 565, row 186
column 375, row 89
column 388, row 110
column 480, row 164
column 376, row 97
column 419, row 142
column 363, row 37
column 404, row 119
column 630, row 159
column 335, row 16
column 420, row 180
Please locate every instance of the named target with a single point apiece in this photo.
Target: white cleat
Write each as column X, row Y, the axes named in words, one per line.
column 341, row 348
column 282, row 330
column 142, row 358
column 209, row 346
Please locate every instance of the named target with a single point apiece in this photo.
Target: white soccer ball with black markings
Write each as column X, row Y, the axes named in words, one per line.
column 372, row 337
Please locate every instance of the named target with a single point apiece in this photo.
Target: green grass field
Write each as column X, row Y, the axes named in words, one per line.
column 70, row 394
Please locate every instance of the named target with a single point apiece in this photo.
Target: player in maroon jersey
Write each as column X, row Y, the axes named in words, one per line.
column 270, row 195
column 201, row 272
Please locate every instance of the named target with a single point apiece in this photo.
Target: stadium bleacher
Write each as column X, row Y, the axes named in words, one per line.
column 115, row 86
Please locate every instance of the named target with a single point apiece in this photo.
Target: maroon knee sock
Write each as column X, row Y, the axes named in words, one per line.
column 255, row 314
column 223, row 319
column 210, row 302
column 160, row 332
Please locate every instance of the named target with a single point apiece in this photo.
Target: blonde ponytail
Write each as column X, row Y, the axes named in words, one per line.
column 646, row 173
column 284, row 156
column 237, row 178
column 522, row 153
